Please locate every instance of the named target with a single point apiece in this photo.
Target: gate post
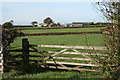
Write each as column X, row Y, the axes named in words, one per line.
column 25, row 52
column 1, row 62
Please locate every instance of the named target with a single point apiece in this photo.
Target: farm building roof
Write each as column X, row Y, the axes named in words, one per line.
column 82, row 22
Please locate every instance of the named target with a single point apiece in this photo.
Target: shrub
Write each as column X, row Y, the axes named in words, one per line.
column 8, row 36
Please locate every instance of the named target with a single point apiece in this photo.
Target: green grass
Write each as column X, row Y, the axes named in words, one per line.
column 62, row 30
column 62, row 74
column 69, row 40
column 54, row 74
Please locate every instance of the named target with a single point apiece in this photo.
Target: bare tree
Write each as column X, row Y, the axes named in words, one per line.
column 110, row 65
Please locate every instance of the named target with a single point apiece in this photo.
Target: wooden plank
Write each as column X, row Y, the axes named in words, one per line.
column 78, row 66
column 35, row 50
column 73, row 47
column 72, row 58
column 55, row 54
column 1, row 70
column 82, row 64
column 72, row 68
column 98, row 54
column 0, row 63
column 62, row 51
column 1, row 58
column 81, row 54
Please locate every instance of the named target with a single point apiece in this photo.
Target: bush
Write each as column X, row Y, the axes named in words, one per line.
column 8, row 36
column 7, row 25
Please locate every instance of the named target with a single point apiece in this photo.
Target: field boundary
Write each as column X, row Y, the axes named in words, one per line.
column 59, row 27
column 62, row 33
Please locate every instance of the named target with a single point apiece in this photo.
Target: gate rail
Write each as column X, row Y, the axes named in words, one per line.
column 54, row 55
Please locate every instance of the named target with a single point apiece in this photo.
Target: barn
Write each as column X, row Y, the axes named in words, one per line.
column 78, row 24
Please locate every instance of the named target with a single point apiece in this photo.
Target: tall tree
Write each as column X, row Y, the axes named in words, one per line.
column 34, row 23
column 48, row 20
column 11, row 21
column 58, row 24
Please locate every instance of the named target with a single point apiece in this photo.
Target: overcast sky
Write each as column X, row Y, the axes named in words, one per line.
column 63, row 12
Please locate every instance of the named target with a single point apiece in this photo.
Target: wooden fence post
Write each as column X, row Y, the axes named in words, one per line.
column 25, row 52
column 1, row 62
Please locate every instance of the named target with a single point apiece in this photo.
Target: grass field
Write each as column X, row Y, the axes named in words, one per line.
column 68, row 40
column 62, row 30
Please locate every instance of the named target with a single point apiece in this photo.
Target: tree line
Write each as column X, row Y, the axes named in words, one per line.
column 47, row 21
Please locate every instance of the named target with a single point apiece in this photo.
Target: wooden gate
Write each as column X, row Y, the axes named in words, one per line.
column 69, row 57
column 51, row 59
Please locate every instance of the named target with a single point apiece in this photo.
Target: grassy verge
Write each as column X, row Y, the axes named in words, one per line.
column 50, row 74
column 62, row 74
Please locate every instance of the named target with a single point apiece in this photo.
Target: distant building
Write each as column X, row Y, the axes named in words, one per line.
column 103, row 23
column 42, row 25
column 78, row 24
column 39, row 25
column 46, row 25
